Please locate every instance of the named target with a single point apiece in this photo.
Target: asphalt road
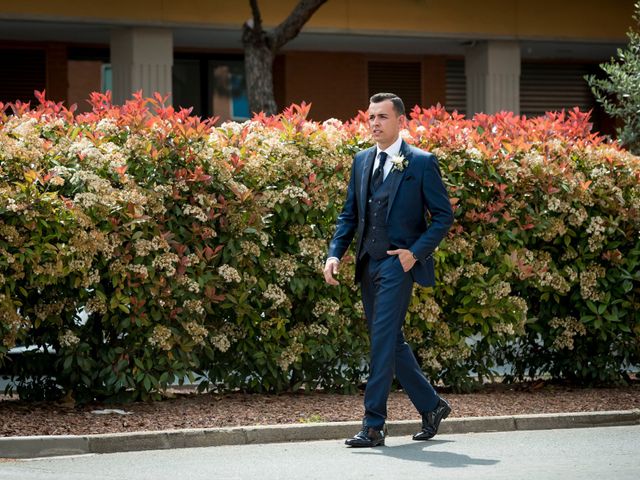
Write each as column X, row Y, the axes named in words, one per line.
column 590, row 453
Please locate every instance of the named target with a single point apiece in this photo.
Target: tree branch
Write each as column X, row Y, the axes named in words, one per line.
column 292, row 25
column 257, row 18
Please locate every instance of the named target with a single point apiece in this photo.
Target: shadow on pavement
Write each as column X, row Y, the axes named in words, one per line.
column 421, row 452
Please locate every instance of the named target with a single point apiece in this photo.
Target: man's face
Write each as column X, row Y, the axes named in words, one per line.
column 384, row 122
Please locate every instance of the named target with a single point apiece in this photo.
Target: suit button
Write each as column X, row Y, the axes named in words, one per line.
column 379, row 202
column 373, row 240
column 369, row 200
column 373, row 228
column 375, row 214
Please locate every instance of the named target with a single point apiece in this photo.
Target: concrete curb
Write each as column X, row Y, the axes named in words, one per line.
column 56, row 445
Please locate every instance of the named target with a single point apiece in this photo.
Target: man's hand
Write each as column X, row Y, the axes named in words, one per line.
column 406, row 258
column 330, row 270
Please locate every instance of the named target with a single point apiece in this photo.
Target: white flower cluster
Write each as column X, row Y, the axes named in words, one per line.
column 161, row 337
column 451, row 277
column 139, row 270
column 10, row 234
column 108, row 126
column 555, row 228
column 500, row 290
column 289, row 355
column 459, row 244
column 229, row 274
column 144, row 247
column 490, row 244
column 568, row 255
column 96, row 305
column 291, row 192
column 221, row 342
column 68, row 339
column 569, row 327
column 596, row 230
column 475, row 269
column 44, row 310
column 195, row 212
column 555, row 204
column 194, row 306
column 285, row 267
column 86, row 149
column 599, row 171
column 197, row 332
column 429, row 359
column 310, row 330
column 589, row 282
column 277, row 296
column 26, row 128
column 189, row 283
column 570, row 274
column 427, row 308
column 555, row 280
column 503, row 328
column 521, row 308
column 358, row 307
column 166, row 261
column 250, row 249
column 90, row 279
column 326, row 306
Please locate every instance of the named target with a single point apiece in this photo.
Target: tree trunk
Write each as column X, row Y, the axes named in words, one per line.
column 258, row 65
column 260, row 48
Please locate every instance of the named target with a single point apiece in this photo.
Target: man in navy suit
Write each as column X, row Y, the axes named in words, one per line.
column 398, row 205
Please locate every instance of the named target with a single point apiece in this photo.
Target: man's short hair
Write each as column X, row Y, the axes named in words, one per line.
column 398, row 104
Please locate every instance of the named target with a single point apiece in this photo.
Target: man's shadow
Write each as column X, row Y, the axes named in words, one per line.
column 421, row 452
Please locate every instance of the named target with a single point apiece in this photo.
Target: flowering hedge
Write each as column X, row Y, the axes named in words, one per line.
column 140, row 245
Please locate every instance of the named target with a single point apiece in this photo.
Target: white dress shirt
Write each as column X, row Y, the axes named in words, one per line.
column 391, row 150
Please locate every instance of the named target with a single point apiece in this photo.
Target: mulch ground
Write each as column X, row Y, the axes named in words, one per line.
column 191, row 410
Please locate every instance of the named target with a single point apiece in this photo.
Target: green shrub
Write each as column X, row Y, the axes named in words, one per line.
column 143, row 246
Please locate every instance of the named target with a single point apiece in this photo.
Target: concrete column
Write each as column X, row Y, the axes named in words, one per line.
column 492, row 70
column 141, row 59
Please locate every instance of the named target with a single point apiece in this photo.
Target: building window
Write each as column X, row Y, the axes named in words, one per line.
column 402, row 78
column 21, row 72
column 456, row 88
column 106, row 79
column 213, row 86
column 187, row 86
column 228, row 90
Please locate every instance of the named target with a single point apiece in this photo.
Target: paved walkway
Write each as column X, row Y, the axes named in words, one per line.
column 61, row 445
column 588, row 453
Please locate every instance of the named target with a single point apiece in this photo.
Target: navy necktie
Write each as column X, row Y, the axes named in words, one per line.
column 378, row 175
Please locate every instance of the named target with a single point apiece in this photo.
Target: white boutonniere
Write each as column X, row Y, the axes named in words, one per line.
column 398, row 162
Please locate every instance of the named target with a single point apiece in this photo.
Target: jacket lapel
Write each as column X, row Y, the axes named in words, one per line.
column 364, row 181
column 395, row 177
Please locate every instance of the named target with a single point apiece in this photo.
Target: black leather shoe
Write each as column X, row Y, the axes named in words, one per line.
column 431, row 420
column 367, row 437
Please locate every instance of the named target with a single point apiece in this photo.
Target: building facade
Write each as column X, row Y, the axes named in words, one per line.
column 523, row 56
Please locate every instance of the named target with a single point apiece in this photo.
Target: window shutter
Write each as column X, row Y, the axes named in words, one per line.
column 550, row 86
column 402, row 78
column 456, row 90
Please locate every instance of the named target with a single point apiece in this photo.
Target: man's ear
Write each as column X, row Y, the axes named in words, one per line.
column 403, row 121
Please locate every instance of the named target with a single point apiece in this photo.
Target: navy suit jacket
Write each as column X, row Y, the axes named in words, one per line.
column 415, row 192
